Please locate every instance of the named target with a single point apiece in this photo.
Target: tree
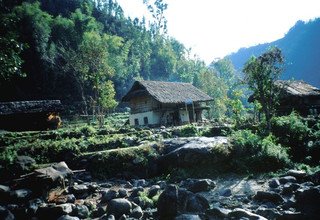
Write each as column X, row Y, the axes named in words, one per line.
column 261, row 74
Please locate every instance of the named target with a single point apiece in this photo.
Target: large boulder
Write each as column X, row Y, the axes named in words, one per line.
column 119, row 207
column 273, row 197
column 186, row 152
column 307, row 202
column 173, row 201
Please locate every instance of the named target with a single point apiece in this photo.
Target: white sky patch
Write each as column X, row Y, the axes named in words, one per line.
column 215, row 28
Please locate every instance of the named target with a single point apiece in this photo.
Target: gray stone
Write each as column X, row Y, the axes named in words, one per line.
column 274, row 183
column 137, row 212
column 123, row 193
column 6, row 214
column 199, row 185
column 4, row 192
column 269, row 213
column 218, row 212
column 68, row 217
column 196, row 204
column 33, row 205
column 168, row 202
column 186, row 152
column 239, row 213
column 290, row 188
column 307, row 201
column 118, row 207
column 296, row 173
column 153, row 190
column 173, row 201
column 140, row 183
column 21, row 195
column 188, row 217
column 81, row 211
column 289, row 215
column 109, row 195
column 70, row 198
column 287, row 179
column 268, row 197
column 80, row 191
column 225, row 192
column 52, row 211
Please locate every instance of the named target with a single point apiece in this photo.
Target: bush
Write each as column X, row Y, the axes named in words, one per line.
column 251, row 152
column 293, row 133
column 188, row 131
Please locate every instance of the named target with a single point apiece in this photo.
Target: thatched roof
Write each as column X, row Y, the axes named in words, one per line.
column 7, row 108
column 167, row 92
column 297, row 88
column 294, row 88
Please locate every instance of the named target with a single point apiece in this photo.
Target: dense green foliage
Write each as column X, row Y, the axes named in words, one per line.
column 300, row 136
column 261, row 73
column 254, row 153
column 87, row 54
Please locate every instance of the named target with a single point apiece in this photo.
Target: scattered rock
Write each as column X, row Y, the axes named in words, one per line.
column 269, row 213
column 218, row 212
column 199, row 185
column 225, row 192
column 123, row 193
column 289, row 188
column 268, row 197
column 81, row 211
column 239, row 213
column 307, row 201
column 137, row 212
column 296, row 173
column 274, row 183
column 153, row 190
column 4, row 192
column 287, row 179
column 68, row 217
column 173, row 201
column 188, row 217
column 109, row 195
column 80, row 191
column 168, row 203
column 118, row 207
column 21, row 195
column 54, row 211
column 6, row 214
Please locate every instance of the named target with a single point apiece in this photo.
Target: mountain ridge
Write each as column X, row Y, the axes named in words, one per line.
column 300, row 47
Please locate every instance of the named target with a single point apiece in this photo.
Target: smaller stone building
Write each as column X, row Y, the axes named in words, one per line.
column 297, row 95
column 165, row 103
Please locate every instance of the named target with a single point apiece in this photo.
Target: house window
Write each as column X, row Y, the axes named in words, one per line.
column 145, row 120
column 136, row 121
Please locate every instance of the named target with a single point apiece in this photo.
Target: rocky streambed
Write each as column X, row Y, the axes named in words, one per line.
column 56, row 192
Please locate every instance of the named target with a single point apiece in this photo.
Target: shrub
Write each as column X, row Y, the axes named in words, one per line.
column 250, row 152
column 293, row 133
column 188, row 131
column 88, row 130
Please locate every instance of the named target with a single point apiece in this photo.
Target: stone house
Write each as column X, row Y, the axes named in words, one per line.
column 155, row 103
column 297, row 95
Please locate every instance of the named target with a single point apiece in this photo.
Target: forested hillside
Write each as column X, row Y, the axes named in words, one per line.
column 300, row 47
column 84, row 51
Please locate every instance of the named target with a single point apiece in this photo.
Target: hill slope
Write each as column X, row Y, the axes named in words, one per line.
column 301, row 48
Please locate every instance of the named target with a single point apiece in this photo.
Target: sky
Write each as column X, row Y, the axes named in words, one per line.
column 216, row 28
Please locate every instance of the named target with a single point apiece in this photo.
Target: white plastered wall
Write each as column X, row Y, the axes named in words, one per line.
column 153, row 118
